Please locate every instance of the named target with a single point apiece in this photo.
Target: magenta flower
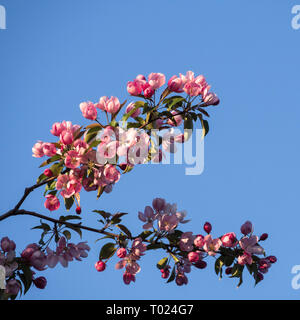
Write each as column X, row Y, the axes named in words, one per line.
column 52, row 203
column 168, row 222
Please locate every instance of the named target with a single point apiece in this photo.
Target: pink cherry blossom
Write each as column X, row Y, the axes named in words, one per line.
column 52, row 203
column 136, row 113
column 67, row 137
column 186, row 241
column 156, row 80
column 148, row 216
column 134, row 87
column 111, row 173
column 245, row 259
column 88, row 110
column 72, row 159
column 211, row 246
column 176, row 84
column 250, row 245
column 159, row 204
column 112, row 105
column 229, row 240
column 148, row 90
column 57, row 129
column 37, row 150
column 167, row 222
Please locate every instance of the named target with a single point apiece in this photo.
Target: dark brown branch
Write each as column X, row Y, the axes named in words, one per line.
column 68, row 224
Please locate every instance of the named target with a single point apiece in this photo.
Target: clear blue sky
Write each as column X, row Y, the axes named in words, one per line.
column 56, row 54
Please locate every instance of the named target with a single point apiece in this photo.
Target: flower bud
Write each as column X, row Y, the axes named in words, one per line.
column 207, row 227
column 199, row 241
column 260, row 276
column 193, row 256
column 263, row 237
column 228, row 270
column 78, row 210
column 100, row 266
column 200, row 264
column 272, row 259
column 40, row 282
column 48, row 173
column 229, row 240
column 121, row 253
column 246, row 228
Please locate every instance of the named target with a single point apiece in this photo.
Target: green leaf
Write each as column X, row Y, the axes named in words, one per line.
column 145, row 234
column 26, row 277
column 103, row 213
column 43, row 226
column 154, row 246
column 125, row 230
column 172, row 276
column 50, row 160
column 69, row 202
column 67, row 234
column 116, row 217
column 218, row 265
column 76, row 229
column 162, row 263
column 107, row 251
column 41, row 178
column 205, row 127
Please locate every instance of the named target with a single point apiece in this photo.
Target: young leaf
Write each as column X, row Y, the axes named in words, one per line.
column 107, row 251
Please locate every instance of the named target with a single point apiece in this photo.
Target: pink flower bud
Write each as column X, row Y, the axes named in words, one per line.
column 199, row 241
column 272, row 259
column 12, row 287
column 37, row 150
column 40, row 282
column 156, row 80
column 148, row 91
column 49, row 149
column 136, row 113
column 5, row 244
column 200, row 264
column 121, row 253
column 128, row 277
column 165, row 273
column 193, row 256
column 181, row 279
column 57, row 129
column 88, row 110
column 263, row 237
column 176, row 84
column 48, row 173
column 66, row 137
column 228, row 270
column 207, row 227
column 100, row 266
column 246, row 228
column 134, row 87
column 52, row 203
column 229, row 240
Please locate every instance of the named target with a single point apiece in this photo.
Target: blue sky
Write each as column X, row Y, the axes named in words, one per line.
column 56, row 54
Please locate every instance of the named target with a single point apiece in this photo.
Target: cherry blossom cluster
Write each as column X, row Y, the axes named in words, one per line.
column 188, row 250
column 94, row 156
column 18, row 270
